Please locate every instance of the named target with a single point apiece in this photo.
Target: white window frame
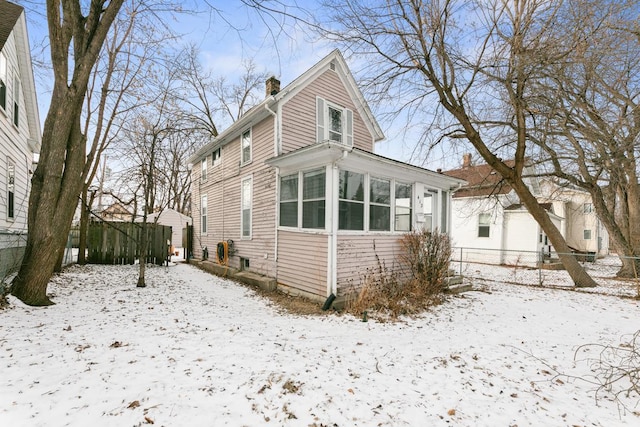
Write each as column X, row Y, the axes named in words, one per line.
column 11, row 189
column 203, row 169
column 430, row 199
column 378, row 204
column 244, row 161
column 347, row 202
column 486, row 224
column 323, row 120
column 3, row 80
column 395, row 206
column 246, row 204
column 216, row 157
column 16, row 100
column 203, row 214
column 297, row 176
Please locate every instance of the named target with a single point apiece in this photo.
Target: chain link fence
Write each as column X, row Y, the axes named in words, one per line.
column 541, row 269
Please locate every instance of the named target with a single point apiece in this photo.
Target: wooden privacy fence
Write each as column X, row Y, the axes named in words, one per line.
column 119, row 242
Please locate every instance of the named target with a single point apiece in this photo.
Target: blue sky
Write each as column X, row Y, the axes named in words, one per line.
column 227, row 37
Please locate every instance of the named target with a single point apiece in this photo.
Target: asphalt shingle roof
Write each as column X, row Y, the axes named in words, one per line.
column 482, row 180
column 9, row 14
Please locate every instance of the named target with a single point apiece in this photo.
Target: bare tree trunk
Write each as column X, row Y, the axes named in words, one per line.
column 144, row 243
column 59, row 176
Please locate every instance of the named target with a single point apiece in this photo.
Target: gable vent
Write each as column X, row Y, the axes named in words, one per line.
column 332, row 66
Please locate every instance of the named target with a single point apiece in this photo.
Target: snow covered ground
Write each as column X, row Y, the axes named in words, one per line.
column 192, row 349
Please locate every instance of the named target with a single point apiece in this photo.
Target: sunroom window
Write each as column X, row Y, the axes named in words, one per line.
column 313, row 199
column 379, row 204
column 289, row 200
column 403, row 207
column 351, row 206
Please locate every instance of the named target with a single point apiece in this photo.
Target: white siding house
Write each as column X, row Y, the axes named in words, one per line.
column 489, row 223
column 20, row 134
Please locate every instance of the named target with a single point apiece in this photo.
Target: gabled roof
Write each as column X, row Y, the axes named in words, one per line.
column 10, row 13
column 265, row 108
column 483, row 181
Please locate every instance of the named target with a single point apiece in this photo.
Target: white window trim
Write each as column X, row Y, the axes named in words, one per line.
column 367, row 214
column 3, row 77
column 298, row 201
column 204, row 224
column 322, row 122
column 15, row 99
column 11, row 188
column 488, row 214
column 203, row 169
column 242, row 161
column 250, row 180
column 218, row 161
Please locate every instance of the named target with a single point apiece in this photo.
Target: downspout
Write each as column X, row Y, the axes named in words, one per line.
column 277, row 192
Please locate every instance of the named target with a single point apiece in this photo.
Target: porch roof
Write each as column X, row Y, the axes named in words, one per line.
column 358, row 160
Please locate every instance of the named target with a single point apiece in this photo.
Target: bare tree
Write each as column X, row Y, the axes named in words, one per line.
column 212, row 101
column 76, row 36
column 475, row 60
column 115, row 89
column 589, row 104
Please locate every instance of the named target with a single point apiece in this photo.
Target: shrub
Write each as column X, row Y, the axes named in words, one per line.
column 410, row 287
column 426, row 255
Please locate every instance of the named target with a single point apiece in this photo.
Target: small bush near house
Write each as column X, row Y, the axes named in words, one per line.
column 416, row 283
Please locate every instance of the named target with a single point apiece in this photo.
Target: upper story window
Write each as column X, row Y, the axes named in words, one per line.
column 246, row 147
column 216, row 158
column 333, row 123
column 351, row 205
column 586, row 234
column 203, row 173
column 16, row 100
column 11, row 182
column 587, row 208
column 403, row 207
column 3, row 81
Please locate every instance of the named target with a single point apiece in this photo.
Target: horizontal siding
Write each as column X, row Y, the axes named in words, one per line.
column 223, row 196
column 14, row 146
column 359, row 255
column 299, row 114
column 302, row 261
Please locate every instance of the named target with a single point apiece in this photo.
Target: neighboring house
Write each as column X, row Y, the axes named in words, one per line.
column 489, row 222
column 173, row 219
column 116, row 212
column 20, row 134
column 581, row 227
column 295, row 184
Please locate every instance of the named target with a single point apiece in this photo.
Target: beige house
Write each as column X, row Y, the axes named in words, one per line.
column 581, row 227
column 296, row 186
column 20, row 134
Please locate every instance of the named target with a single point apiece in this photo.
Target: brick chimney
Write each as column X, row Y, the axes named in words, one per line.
column 273, row 86
column 466, row 160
